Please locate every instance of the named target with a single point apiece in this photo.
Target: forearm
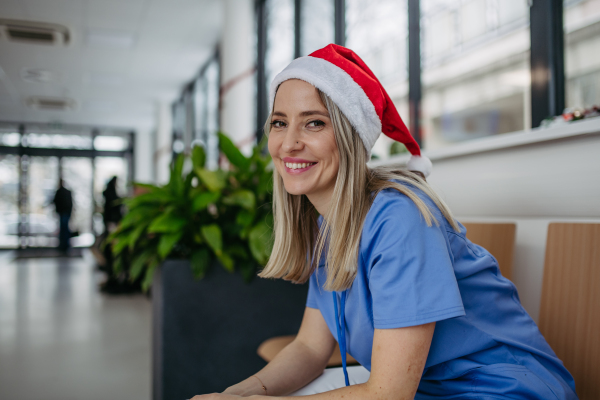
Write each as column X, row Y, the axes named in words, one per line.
column 294, row 367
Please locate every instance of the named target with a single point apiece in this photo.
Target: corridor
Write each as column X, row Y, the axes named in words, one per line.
column 61, row 339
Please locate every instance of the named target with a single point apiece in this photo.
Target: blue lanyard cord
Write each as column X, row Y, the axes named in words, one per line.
column 340, row 324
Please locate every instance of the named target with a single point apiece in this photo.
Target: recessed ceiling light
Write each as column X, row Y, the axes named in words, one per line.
column 110, row 38
column 38, row 75
column 51, row 103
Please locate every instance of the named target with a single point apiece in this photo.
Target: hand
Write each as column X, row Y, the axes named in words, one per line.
column 215, row 396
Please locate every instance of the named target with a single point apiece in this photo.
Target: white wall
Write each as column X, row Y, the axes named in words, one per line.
column 161, row 155
column 237, row 72
column 530, row 178
column 144, row 150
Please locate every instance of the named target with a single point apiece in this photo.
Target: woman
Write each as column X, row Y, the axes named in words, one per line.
column 392, row 277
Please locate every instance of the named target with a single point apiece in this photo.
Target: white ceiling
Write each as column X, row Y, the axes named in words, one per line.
column 124, row 57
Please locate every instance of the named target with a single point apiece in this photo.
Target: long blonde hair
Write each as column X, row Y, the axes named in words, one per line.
column 299, row 242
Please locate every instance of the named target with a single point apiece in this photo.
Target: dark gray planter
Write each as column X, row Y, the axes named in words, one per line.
column 206, row 332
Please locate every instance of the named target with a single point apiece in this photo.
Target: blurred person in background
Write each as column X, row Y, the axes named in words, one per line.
column 111, row 216
column 112, row 207
column 116, row 283
column 63, row 201
column 392, row 277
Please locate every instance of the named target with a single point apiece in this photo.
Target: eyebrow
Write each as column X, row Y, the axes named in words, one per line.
column 303, row 113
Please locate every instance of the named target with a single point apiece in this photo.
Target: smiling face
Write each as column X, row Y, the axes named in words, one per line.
column 302, row 143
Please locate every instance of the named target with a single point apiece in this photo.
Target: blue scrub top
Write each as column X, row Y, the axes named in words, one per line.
column 485, row 345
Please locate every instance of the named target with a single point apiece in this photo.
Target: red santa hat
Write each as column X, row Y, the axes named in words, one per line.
column 346, row 79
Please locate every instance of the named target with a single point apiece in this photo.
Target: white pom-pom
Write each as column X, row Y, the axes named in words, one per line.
column 421, row 164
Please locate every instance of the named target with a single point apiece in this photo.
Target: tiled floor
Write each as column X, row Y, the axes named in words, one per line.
column 60, row 339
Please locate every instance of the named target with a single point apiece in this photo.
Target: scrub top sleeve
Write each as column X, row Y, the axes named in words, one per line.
column 411, row 277
column 313, row 289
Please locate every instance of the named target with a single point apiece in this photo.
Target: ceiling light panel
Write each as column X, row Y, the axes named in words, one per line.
column 51, row 103
column 39, row 75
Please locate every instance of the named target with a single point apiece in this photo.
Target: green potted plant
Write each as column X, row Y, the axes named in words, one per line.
column 200, row 215
column 198, row 242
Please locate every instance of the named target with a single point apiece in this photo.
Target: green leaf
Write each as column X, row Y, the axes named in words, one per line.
column 227, row 262
column 120, row 244
column 200, row 261
column 187, row 185
column 135, row 235
column 265, row 183
column 178, row 165
column 149, row 276
column 244, row 218
column 237, row 251
column 213, row 237
column 148, row 186
column 176, row 182
column 204, row 199
column 138, row 264
column 233, row 154
column 198, row 157
column 243, row 198
column 151, row 199
column 118, row 265
column 166, row 243
column 167, row 222
column 214, row 180
column 260, row 240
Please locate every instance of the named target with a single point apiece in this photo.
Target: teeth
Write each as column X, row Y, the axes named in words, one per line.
column 298, row 165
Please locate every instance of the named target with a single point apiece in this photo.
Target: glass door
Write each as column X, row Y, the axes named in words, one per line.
column 40, row 219
column 77, row 177
column 9, row 201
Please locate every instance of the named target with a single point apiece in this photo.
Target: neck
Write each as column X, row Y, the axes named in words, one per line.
column 321, row 201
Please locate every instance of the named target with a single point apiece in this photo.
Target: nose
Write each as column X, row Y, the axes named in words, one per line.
column 292, row 141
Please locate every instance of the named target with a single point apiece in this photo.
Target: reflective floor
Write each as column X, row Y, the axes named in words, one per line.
column 62, row 339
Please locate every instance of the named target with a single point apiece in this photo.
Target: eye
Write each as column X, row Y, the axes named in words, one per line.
column 316, row 124
column 277, row 124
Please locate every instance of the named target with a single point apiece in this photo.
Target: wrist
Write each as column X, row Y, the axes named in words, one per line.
column 250, row 387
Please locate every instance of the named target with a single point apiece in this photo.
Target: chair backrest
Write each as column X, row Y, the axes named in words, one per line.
column 498, row 239
column 570, row 309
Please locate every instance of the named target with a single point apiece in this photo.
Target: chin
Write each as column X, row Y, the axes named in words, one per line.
column 295, row 190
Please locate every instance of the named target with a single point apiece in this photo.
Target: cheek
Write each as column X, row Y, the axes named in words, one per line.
column 331, row 148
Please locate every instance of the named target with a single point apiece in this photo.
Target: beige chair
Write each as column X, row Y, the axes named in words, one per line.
column 570, row 309
column 498, row 239
column 271, row 347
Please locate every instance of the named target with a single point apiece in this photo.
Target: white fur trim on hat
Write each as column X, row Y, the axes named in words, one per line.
column 421, row 164
column 341, row 88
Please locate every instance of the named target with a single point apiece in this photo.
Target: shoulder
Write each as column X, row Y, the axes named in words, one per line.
column 393, row 207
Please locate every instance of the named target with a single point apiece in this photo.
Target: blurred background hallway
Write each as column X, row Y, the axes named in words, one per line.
column 60, row 339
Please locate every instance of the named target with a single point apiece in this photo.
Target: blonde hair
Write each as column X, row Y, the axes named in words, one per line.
column 299, row 242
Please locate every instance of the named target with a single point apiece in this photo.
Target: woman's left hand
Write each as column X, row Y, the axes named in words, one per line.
column 215, row 396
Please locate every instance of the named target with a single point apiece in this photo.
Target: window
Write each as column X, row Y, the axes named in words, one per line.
column 206, row 111
column 475, row 69
column 378, row 32
column 317, row 21
column 280, row 37
column 582, row 62
column 9, row 200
